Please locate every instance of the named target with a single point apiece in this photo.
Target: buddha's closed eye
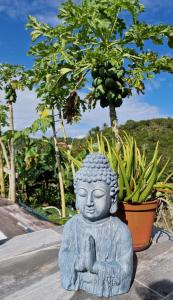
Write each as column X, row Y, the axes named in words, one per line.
column 82, row 192
column 98, row 193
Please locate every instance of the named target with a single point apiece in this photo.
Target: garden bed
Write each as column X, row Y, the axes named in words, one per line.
column 51, row 214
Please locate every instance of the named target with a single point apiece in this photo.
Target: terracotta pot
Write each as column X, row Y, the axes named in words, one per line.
column 139, row 218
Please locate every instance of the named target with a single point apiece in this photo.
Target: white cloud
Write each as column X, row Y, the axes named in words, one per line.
column 44, row 9
column 24, row 109
column 136, row 109
column 133, row 108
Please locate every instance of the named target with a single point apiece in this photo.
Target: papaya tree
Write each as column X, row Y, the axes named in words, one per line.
column 103, row 42
column 56, row 103
column 3, row 123
column 11, row 80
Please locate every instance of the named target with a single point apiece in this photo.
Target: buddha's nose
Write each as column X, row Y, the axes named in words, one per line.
column 90, row 200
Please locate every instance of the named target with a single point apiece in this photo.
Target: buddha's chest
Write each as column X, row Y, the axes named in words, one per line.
column 105, row 241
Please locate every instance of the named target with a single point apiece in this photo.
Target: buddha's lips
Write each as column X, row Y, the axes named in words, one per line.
column 90, row 210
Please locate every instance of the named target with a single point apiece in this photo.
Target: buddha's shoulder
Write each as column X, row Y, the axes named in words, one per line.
column 74, row 220
column 119, row 225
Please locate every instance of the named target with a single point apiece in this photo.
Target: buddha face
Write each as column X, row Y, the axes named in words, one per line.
column 93, row 199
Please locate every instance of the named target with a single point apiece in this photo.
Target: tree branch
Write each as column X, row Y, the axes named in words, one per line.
column 5, row 154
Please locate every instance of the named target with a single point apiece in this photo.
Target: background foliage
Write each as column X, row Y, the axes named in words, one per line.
column 35, row 163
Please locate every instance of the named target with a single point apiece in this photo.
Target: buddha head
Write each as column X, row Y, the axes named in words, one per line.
column 96, row 188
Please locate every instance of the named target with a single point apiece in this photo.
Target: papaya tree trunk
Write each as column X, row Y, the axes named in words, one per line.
column 12, row 156
column 5, row 156
column 58, row 166
column 61, row 122
column 114, row 122
column 2, row 184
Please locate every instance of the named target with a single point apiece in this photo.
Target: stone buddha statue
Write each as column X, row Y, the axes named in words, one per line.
column 96, row 254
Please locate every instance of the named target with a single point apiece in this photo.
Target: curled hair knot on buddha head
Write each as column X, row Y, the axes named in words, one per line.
column 96, row 168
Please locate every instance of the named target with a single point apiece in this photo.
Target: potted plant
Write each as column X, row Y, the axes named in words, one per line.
column 138, row 199
column 137, row 179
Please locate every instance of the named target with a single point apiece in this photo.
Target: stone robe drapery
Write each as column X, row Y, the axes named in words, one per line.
column 114, row 256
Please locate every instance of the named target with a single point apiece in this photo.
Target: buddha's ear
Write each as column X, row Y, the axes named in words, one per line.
column 77, row 206
column 113, row 207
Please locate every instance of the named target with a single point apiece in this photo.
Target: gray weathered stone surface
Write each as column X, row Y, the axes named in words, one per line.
column 29, row 242
column 26, row 271
column 159, row 235
column 158, row 267
column 96, row 254
column 34, row 275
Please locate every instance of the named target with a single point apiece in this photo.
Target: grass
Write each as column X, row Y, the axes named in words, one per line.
column 53, row 216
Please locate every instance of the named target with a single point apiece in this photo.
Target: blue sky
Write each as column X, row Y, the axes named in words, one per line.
column 15, row 41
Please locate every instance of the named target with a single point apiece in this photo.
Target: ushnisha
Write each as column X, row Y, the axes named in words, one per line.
column 96, row 254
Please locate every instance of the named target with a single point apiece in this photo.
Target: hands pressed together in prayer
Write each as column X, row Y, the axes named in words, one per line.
column 87, row 258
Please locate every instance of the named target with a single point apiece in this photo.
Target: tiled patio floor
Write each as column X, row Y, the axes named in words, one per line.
column 29, row 270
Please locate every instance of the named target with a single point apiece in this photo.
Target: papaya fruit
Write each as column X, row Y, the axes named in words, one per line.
column 119, row 97
column 100, row 89
column 107, row 65
column 118, row 102
column 118, row 86
column 125, row 92
column 12, row 97
column 96, row 81
column 112, row 73
column 95, row 73
column 109, row 83
column 8, row 94
column 102, row 72
column 104, row 102
column 111, row 95
column 120, row 73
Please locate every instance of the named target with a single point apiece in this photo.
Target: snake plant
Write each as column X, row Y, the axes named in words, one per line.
column 136, row 177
